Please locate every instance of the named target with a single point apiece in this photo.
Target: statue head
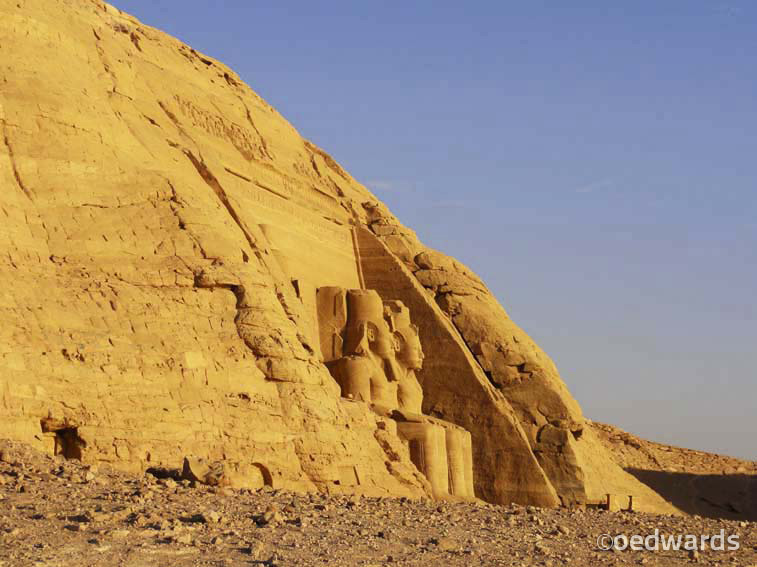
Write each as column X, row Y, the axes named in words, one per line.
column 367, row 330
column 406, row 341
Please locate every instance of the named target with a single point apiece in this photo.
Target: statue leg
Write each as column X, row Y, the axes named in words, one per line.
column 354, row 378
column 428, row 451
column 459, row 455
column 468, row 444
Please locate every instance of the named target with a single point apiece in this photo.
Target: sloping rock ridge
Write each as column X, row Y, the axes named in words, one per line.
column 704, row 484
column 188, row 282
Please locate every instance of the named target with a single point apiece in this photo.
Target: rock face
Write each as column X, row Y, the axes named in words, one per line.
column 164, row 233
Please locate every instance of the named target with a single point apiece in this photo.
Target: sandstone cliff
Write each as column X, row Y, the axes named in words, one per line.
column 163, row 234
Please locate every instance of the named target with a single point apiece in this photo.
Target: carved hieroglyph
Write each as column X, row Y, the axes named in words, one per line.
column 373, row 351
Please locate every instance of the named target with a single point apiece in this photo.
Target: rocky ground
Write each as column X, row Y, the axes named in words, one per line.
column 58, row 512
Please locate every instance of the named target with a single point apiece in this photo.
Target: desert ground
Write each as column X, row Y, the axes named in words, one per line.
column 58, row 512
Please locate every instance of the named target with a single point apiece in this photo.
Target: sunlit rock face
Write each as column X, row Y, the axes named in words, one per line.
column 165, row 238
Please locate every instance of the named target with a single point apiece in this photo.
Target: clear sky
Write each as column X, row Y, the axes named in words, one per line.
column 595, row 162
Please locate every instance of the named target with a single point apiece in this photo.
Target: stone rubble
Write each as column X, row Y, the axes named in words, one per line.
column 53, row 516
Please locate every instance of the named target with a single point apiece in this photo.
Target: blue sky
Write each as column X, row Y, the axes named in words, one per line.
column 595, row 162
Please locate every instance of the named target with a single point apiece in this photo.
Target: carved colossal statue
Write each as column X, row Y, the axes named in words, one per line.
column 356, row 350
column 373, row 351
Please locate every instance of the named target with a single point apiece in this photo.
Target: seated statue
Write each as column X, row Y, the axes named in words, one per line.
column 373, row 351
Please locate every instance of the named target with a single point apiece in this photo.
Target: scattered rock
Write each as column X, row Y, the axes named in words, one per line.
column 184, row 539
column 270, row 517
column 212, row 517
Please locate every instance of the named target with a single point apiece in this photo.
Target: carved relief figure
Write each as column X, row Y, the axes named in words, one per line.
column 373, row 351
